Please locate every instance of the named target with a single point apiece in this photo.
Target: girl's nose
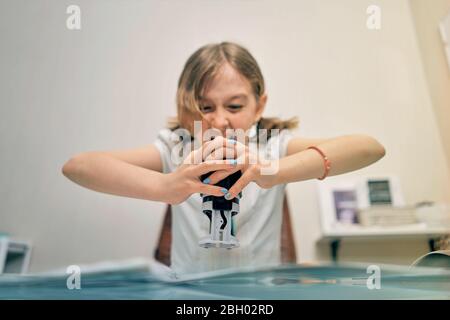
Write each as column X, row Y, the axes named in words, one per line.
column 221, row 121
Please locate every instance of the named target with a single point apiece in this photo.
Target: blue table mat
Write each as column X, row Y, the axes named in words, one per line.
column 326, row 281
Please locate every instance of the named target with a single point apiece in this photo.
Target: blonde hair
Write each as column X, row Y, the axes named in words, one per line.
column 202, row 66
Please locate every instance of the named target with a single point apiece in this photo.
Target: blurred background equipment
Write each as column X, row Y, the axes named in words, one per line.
column 14, row 255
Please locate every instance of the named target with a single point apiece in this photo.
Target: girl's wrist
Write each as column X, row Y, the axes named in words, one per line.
column 267, row 174
column 159, row 187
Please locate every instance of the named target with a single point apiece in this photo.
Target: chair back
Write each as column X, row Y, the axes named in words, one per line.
column 287, row 245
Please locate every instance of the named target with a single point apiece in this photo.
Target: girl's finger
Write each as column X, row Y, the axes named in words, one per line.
column 211, row 190
column 240, row 149
column 215, row 144
column 214, row 165
column 219, row 176
column 243, row 181
column 195, row 157
column 244, row 160
column 221, row 154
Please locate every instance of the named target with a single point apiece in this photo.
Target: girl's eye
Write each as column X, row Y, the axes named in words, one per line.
column 205, row 109
column 235, row 107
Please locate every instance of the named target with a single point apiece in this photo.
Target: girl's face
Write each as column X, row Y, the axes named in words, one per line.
column 228, row 102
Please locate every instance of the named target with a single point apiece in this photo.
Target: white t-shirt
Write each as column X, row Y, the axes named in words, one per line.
column 258, row 224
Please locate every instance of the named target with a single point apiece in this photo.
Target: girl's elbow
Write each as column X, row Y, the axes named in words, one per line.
column 382, row 151
column 72, row 166
column 68, row 168
column 376, row 150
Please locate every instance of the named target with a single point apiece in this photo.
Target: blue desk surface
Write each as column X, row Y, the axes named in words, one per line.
column 282, row 282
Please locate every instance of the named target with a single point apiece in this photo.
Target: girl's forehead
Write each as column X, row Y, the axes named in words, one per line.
column 227, row 83
column 234, row 96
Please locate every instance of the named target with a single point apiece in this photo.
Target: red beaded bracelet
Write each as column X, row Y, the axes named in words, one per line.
column 326, row 162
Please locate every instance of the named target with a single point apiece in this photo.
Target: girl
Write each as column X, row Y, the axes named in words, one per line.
column 222, row 87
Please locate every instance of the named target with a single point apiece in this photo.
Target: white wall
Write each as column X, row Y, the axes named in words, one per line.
column 112, row 85
column 437, row 70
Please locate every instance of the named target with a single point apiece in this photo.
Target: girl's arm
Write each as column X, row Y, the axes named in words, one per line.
column 130, row 173
column 346, row 153
column 137, row 174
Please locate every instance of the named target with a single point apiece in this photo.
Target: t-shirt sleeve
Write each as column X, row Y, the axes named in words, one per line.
column 285, row 136
column 164, row 144
column 277, row 144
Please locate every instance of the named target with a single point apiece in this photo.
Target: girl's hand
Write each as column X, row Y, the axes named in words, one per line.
column 247, row 161
column 185, row 180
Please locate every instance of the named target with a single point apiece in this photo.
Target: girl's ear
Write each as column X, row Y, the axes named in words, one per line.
column 260, row 106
